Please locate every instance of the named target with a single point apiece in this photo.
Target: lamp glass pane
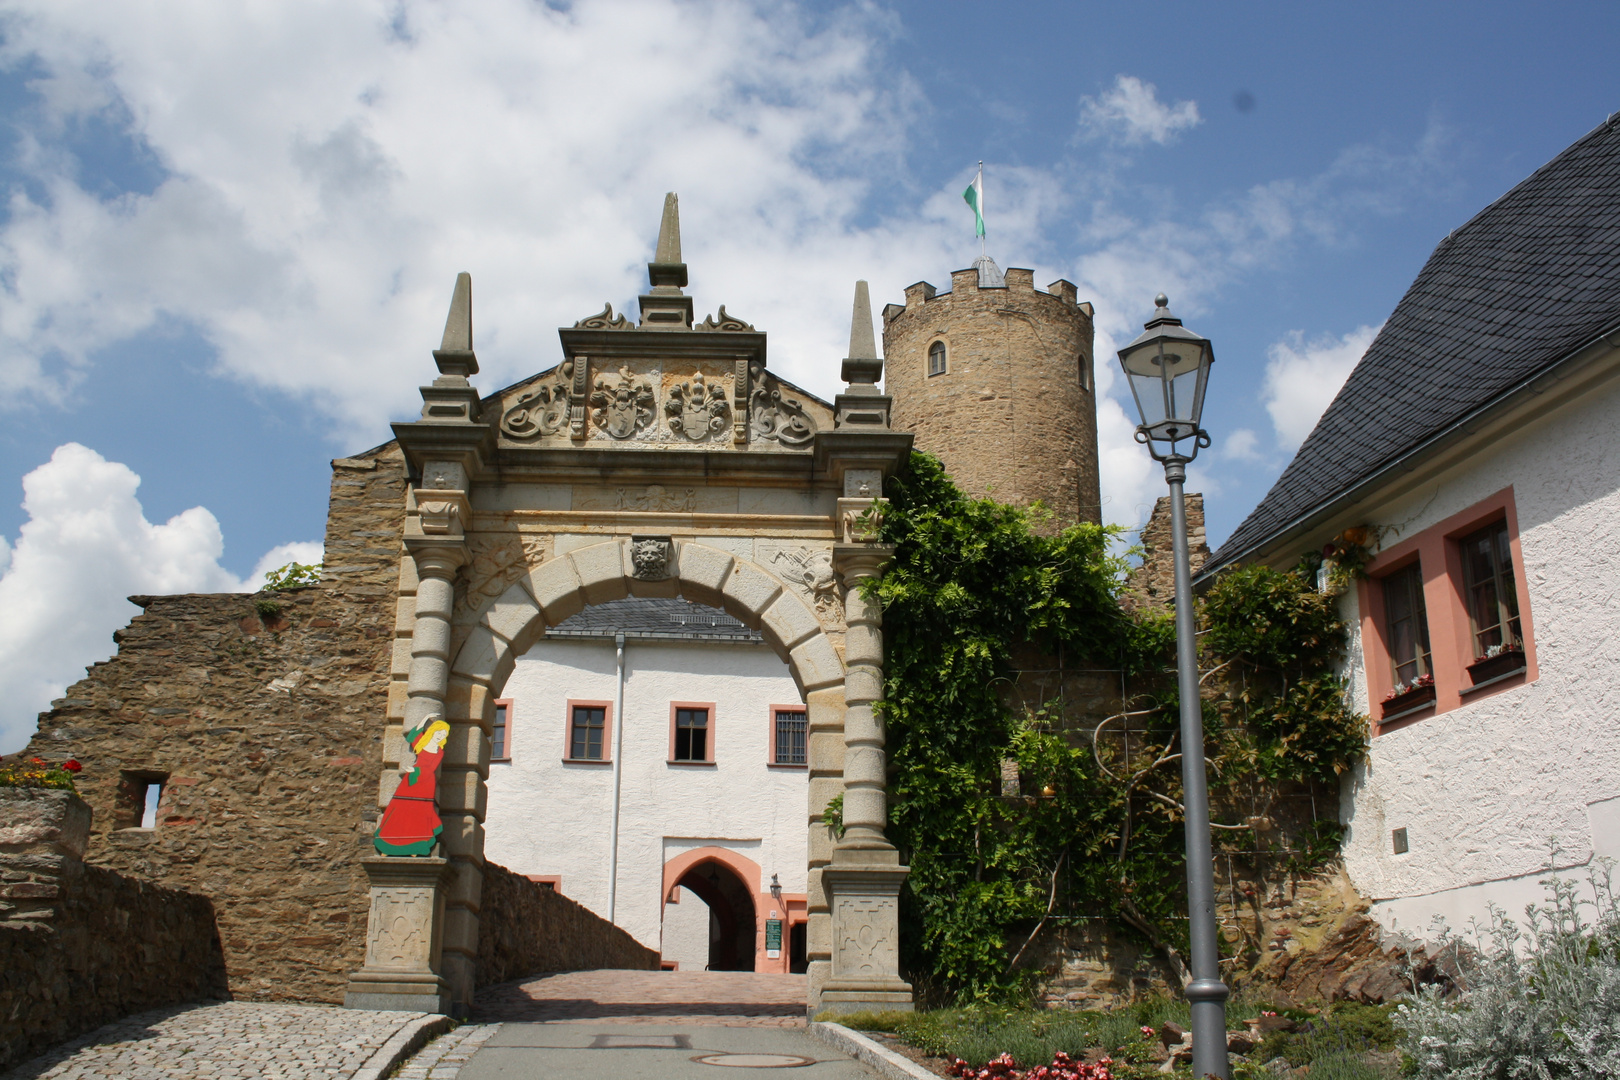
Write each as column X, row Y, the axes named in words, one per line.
column 1148, row 389
column 1184, row 396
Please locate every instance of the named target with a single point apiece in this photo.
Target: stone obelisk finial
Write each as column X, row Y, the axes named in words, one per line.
column 451, row 398
column 862, row 368
column 665, row 307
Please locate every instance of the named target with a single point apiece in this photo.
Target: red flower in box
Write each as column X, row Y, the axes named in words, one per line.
column 71, row 766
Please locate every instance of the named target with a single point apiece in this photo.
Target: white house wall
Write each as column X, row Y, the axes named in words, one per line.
column 1481, row 789
column 548, row 817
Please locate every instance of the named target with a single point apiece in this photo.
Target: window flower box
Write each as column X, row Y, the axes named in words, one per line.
column 1408, row 696
column 1504, row 662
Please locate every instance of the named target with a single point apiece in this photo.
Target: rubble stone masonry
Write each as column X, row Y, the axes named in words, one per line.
column 1013, row 416
column 83, row 945
column 264, row 726
column 526, row 927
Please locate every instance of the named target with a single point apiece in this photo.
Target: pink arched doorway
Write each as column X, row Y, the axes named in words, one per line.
column 706, row 871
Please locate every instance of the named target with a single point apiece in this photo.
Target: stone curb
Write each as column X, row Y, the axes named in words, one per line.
column 405, row 1042
column 887, row 1063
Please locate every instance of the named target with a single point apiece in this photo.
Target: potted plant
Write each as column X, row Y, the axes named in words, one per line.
column 1499, row 660
column 1409, row 695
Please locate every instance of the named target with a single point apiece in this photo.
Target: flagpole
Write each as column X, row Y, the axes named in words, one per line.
column 981, row 210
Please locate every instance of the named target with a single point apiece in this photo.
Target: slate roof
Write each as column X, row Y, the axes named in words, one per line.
column 1526, row 282
column 654, row 618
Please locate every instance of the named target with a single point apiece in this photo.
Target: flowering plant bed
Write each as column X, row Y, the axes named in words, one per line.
column 1406, row 696
column 1063, row 1067
column 38, row 773
column 1502, row 661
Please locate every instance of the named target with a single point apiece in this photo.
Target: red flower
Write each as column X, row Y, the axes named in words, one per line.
column 37, row 761
column 71, row 766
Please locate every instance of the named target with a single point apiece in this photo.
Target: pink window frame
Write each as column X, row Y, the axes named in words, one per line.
column 607, row 732
column 507, row 756
column 708, row 743
column 1451, row 631
column 770, row 752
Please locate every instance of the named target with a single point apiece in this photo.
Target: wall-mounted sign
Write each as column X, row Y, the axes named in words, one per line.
column 773, row 939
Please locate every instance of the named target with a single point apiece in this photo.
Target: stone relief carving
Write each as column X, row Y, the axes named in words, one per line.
column 810, row 572
column 865, row 945
column 445, row 476
column 606, row 320
column 698, row 410
column 624, row 407
column 655, row 498
column 863, row 484
column 774, row 417
column 725, row 322
column 439, row 517
column 650, row 556
column 401, row 927
column 865, row 524
column 541, row 411
column 494, row 562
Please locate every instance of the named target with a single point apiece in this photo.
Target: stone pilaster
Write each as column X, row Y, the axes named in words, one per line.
column 862, row 883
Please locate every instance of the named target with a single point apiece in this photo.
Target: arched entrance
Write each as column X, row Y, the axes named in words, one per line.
column 731, row 914
column 657, row 460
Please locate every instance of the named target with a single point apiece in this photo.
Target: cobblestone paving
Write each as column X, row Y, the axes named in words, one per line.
column 443, row 1058
column 233, row 1040
column 727, row 998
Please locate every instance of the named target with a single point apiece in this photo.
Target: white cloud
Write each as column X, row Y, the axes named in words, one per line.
column 1242, row 445
column 86, row 546
column 1131, row 113
column 1303, row 377
column 331, row 166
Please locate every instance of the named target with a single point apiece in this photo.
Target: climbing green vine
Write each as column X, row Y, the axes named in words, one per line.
column 1013, row 820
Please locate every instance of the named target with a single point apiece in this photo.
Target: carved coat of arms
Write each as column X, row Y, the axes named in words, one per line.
column 621, row 409
column 698, row 410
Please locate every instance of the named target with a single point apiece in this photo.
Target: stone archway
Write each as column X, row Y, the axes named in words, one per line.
column 605, row 500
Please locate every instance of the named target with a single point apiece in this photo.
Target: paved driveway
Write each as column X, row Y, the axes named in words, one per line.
column 731, row 998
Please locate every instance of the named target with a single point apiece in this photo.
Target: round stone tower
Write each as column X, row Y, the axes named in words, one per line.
column 995, row 379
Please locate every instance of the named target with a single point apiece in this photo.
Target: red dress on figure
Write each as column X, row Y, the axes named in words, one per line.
column 410, row 824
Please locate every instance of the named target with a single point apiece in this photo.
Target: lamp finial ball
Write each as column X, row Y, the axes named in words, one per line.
column 1161, row 300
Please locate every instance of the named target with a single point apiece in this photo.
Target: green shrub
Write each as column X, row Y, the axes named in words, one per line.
column 295, row 575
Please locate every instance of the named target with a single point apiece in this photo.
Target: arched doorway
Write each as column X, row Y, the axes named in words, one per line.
column 731, row 914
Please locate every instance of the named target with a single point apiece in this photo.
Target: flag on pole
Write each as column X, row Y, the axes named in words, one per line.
column 974, row 197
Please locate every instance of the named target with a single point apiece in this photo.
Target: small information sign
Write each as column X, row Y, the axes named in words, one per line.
column 773, row 939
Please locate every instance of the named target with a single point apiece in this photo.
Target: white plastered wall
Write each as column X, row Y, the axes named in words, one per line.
column 548, row 817
column 1481, row 789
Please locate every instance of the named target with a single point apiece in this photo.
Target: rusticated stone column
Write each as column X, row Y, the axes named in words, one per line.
column 862, row 883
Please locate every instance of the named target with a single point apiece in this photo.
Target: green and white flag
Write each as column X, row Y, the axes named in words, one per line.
column 974, row 196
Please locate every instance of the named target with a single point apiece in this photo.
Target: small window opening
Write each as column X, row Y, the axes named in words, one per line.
column 936, row 358
column 498, row 733
column 140, row 793
column 691, row 734
column 1399, row 838
column 1493, row 602
column 790, row 737
column 1408, row 625
column 589, row 724
column 1085, row 373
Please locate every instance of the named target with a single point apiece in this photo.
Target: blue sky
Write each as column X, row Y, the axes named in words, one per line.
column 231, row 231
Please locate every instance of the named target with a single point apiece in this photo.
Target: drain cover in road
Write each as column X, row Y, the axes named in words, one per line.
column 642, row 1042
column 755, row 1061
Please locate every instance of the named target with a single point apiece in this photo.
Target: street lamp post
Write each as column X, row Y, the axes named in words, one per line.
column 1168, row 368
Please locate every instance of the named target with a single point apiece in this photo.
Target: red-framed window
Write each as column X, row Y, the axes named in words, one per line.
column 1451, row 599
column 691, row 732
column 590, row 731
column 790, row 736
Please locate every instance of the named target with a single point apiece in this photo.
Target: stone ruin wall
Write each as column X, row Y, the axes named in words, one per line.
column 525, row 927
column 81, row 945
column 1013, row 417
column 268, row 728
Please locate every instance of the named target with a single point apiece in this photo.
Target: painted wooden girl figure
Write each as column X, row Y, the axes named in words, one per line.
column 410, row 825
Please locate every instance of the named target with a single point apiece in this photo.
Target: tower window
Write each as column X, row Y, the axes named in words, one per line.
column 936, row 358
column 138, row 798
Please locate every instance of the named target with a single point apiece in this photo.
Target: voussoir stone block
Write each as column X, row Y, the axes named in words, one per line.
column 462, row 791
column 601, row 571
column 823, row 790
column 815, row 664
column 788, row 621
column 750, row 589
column 480, row 657
column 463, row 835
column 467, row 748
column 556, row 589
column 703, row 571
column 516, row 617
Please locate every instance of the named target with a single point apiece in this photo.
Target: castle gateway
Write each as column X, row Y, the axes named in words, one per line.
column 658, row 460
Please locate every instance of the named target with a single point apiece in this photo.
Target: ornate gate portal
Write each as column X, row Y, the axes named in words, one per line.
column 659, row 459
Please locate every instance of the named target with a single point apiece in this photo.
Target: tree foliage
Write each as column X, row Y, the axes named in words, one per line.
column 1095, row 826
